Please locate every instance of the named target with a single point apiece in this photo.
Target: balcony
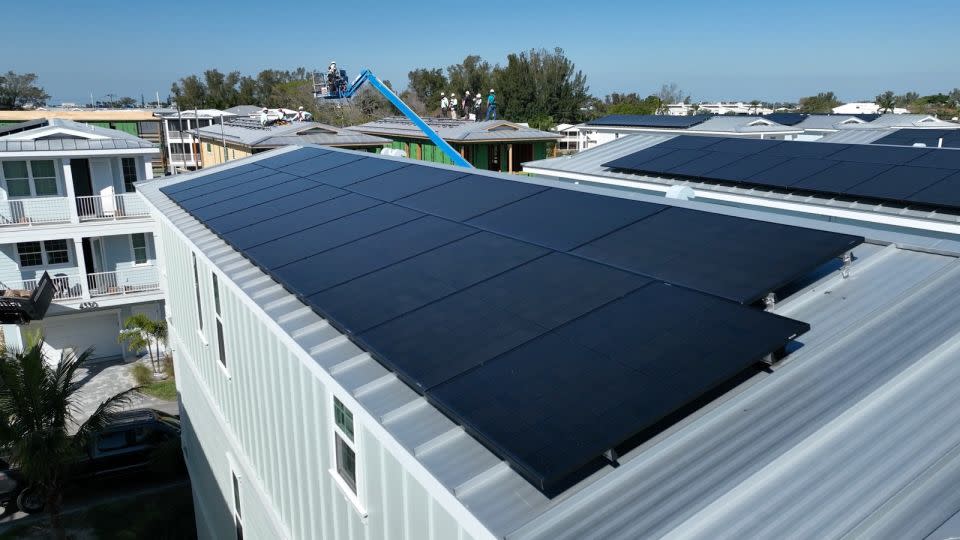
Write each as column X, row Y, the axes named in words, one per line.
column 129, row 281
column 111, row 207
column 187, row 159
column 49, row 210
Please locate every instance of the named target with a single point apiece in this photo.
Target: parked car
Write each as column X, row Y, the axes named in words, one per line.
column 126, row 446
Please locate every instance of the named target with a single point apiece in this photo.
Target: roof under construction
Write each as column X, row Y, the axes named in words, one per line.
column 463, row 131
column 249, row 132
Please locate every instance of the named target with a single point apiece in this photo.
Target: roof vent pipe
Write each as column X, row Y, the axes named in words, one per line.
column 683, row 193
column 940, row 142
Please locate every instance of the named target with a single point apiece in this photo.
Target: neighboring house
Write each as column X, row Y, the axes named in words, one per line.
column 864, row 108
column 738, row 107
column 495, row 145
column 138, row 122
column 610, row 128
column 180, row 135
column 570, row 135
column 798, row 188
column 251, row 111
column 242, row 136
column 294, row 426
column 68, row 207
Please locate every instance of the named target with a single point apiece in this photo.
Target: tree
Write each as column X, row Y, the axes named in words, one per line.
column 822, row 103
column 755, row 106
column 541, row 87
column 906, row 99
column 670, row 93
column 20, row 90
column 886, row 101
column 141, row 332
column 474, row 74
column 37, row 412
column 426, row 85
column 631, row 103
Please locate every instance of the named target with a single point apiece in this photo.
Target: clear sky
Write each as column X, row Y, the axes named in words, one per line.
column 734, row 49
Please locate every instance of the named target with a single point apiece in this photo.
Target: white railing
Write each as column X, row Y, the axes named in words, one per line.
column 182, row 158
column 35, row 211
column 123, row 282
column 66, row 287
column 118, row 206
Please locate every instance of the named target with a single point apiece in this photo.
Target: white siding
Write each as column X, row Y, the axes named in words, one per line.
column 270, row 415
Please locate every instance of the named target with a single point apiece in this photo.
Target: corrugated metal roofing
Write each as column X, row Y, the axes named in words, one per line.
column 106, row 139
column 911, row 121
column 457, row 130
column 251, row 133
column 857, row 136
column 855, row 434
column 741, row 124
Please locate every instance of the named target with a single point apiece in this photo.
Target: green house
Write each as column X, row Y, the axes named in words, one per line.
column 494, row 145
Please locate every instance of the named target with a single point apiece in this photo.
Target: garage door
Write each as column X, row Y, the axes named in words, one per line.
column 79, row 333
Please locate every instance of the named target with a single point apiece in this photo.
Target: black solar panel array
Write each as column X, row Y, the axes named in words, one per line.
column 906, row 176
column 933, row 138
column 539, row 319
column 650, row 120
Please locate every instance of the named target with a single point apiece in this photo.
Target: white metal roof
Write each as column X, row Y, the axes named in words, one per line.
column 857, row 431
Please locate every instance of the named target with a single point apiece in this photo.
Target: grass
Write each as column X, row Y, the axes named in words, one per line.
column 165, row 390
column 167, row 515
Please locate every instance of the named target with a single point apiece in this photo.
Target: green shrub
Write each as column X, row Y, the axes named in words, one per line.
column 142, row 374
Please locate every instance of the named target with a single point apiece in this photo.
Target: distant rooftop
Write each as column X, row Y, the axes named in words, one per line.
column 62, row 135
column 249, row 132
column 456, row 130
column 244, row 110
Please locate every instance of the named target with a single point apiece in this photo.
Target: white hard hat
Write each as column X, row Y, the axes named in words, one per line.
column 492, row 91
column 443, row 93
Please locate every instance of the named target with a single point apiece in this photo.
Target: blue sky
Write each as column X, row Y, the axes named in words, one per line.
column 738, row 49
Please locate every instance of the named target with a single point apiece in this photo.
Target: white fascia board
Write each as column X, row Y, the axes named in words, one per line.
column 41, row 154
column 763, row 202
column 54, row 231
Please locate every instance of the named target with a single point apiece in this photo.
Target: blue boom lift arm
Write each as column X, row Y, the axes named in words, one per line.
column 368, row 76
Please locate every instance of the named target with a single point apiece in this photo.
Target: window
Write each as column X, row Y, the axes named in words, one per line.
column 345, row 454
column 18, row 181
column 57, row 252
column 237, row 514
column 196, row 288
column 139, row 241
column 44, row 178
column 219, row 315
column 48, row 252
column 30, row 254
column 129, row 167
column 208, row 147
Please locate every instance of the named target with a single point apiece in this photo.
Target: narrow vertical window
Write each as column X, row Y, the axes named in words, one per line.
column 129, row 168
column 237, row 514
column 344, row 451
column 139, row 241
column 221, row 351
column 196, row 287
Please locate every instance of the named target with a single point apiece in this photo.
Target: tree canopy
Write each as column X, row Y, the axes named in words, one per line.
column 822, row 103
column 20, row 90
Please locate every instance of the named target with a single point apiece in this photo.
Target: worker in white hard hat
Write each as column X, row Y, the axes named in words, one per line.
column 444, row 104
column 332, row 75
column 477, row 104
column 263, row 117
column 491, row 105
column 454, row 106
column 467, row 104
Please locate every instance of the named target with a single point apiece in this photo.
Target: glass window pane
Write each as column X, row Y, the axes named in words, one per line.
column 18, row 188
column 236, row 496
column 14, row 169
column 196, row 286
column 346, row 463
column 139, row 240
column 216, row 294
column 56, row 251
column 30, row 254
column 45, row 186
column 221, row 350
column 43, row 169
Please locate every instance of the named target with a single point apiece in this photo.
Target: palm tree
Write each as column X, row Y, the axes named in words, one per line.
column 886, row 101
column 38, row 413
column 141, row 332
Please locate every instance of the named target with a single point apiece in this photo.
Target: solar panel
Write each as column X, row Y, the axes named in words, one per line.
column 214, row 176
column 320, row 163
column 404, row 182
column 439, row 296
column 649, row 120
column 356, row 171
column 737, row 259
column 636, row 355
column 899, row 182
column 375, row 298
column 881, row 173
column 469, row 196
column 944, row 193
column 287, row 158
column 259, row 231
column 222, row 180
column 933, row 138
column 562, row 219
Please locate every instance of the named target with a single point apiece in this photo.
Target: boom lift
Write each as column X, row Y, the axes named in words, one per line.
column 339, row 90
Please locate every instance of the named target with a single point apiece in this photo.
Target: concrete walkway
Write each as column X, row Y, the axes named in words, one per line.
column 101, row 380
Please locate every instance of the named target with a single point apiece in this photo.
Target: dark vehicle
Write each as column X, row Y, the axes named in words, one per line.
column 127, row 446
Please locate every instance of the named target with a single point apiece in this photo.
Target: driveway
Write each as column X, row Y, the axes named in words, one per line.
column 101, row 380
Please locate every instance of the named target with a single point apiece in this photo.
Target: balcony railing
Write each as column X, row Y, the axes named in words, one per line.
column 182, row 158
column 111, row 207
column 35, row 211
column 123, row 282
column 102, row 284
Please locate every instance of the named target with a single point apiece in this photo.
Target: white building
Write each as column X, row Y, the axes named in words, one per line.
column 180, row 135
column 292, row 430
column 68, row 207
column 863, row 107
column 720, row 107
column 570, row 136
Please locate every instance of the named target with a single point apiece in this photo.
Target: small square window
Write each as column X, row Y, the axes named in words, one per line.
column 30, row 254
column 18, row 187
column 45, row 187
column 343, row 417
column 57, row 252
column 346, row 463
column 15, row 169
column 43, row 169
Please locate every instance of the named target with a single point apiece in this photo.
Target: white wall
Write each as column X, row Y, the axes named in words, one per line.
column 270, row 415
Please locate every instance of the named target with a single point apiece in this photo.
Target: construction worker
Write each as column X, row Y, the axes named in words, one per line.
column 491, row 105
column 444, row 105
column 264, row 119
column 454, row 106
column 477, row 103
column 467, row 105
column 332, row 75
